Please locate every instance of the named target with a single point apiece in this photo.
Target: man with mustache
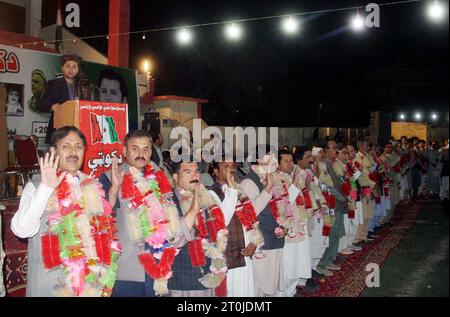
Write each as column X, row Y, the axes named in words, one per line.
column 65, row 198
column 132, row 278
column 337, row 230
column 197, row 273
column 257, row 185
column 243, row 233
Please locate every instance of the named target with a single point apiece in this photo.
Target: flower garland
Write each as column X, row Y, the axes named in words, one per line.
column 342, row 171
column 152, row 218
column 294, row 216
column 246, row 214
column 210, row 239
column 81, row 238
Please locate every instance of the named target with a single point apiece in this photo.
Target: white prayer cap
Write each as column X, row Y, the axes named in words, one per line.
column 316, row 151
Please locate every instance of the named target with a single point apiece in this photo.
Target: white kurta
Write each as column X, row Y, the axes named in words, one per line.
column 240, row 281
column 268, row 273
column 297, row 264
column 317, row 242
column 359, row 216
column 351, row 228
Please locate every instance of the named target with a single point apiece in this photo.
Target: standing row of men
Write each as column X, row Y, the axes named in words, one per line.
column 140, row 232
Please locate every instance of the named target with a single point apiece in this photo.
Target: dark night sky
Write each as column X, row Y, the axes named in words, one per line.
column 271, row 79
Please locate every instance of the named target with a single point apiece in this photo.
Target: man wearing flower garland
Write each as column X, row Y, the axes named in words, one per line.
column 347, row 173
column 393, row 172
column 288, row 200
column 368, row 166
column 149, row 228
column 337, row 230
column 200, row 267
column 244, row 236
column 257, row 185
column 72, row 249
column 315, row 202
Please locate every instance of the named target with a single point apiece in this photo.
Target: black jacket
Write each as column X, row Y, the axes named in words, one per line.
column 57, row 91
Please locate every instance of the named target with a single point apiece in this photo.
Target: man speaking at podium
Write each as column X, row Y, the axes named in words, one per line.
column 70, row 87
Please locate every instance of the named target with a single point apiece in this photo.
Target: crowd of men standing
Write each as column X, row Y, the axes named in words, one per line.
column 269, row 228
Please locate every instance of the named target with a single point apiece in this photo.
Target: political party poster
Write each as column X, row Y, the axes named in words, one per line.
column 25, row 73
column 105, row 126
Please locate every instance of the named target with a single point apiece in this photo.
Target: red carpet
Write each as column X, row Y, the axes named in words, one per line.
column 350, row 281
column 15, row 268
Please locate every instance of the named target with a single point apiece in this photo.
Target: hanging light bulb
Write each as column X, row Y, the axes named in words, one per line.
column 184, row 36
column 357, row 23
column 233, row 32
column 143, row 36
column 435, row 11
column 290, row 25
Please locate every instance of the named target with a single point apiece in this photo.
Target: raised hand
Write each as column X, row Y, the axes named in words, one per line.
column 56, row 108
column 49, row 167
column 230, row 179
column 269, row 182
column 195, row 206
column 116, row 176
column 249, row 250
column 296, row 177
column 191, row 215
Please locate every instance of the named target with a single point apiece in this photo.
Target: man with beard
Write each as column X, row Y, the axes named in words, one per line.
column 38, row 85
column 257, row 185
column 394, row 178
column 135, row 203
column 68, row 222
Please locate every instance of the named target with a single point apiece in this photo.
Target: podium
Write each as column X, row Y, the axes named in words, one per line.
column 105, row 126
column 68, row 116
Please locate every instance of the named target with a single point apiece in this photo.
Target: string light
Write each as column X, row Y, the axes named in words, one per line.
column 357, row 23
column 418, row 116
column 435, row 11
column 402, row 116
column 184, row 36
column 290, row 25
column 233, row 32
column 237, row 21
column 143, row 36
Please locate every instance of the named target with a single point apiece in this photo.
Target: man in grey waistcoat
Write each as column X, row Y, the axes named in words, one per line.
column 337, row 230
column 132, row 280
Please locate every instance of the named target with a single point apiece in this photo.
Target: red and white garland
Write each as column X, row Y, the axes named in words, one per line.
column 81, row 238
column 153, row 218
column 211, row 237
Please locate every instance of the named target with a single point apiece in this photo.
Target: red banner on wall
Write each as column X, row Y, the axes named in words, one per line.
column 105, row 126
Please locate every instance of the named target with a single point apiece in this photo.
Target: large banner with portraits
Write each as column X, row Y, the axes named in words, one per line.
column 25, row 74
